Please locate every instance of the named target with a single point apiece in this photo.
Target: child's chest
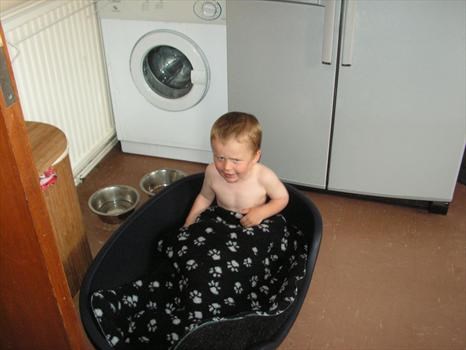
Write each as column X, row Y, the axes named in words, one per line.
column 240, row 195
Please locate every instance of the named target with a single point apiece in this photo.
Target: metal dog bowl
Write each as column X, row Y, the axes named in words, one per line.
column 114, row 203
column 153, row 182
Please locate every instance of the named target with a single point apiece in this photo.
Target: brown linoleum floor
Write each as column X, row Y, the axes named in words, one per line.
column 388, row 277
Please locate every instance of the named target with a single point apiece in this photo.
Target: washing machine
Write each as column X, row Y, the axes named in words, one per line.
column 167, row 73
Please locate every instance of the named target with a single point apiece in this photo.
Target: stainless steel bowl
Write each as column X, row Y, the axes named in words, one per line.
column 153, row 182
column 114, row 203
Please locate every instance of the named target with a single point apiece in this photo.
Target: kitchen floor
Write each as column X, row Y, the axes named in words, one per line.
column 388, row 277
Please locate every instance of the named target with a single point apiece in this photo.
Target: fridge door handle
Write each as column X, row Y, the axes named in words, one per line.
column 348, row 33
column 329, row 21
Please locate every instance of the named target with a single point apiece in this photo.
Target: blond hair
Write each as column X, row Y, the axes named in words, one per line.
column 239, row 126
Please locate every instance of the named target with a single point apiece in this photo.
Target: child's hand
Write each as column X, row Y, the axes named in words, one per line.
column 252, row 217
column 187, row 223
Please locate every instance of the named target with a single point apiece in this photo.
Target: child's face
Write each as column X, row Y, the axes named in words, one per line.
column 233, row 159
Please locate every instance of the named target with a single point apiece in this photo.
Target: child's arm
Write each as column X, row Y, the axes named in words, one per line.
column 200, row 204
column 278, row 195
column 203, row 200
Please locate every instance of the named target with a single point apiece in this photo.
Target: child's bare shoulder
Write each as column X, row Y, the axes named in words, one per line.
column 265, row 173
column 210, row 168
column 211, row 173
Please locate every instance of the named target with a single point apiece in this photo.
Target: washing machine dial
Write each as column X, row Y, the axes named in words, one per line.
column 208, row 10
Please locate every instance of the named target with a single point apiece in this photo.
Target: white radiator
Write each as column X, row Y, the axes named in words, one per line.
column 57, row 59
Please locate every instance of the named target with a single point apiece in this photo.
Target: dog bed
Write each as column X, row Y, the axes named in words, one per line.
column 214, row 285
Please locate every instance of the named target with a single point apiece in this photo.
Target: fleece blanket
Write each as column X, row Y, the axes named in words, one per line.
column 215, row 270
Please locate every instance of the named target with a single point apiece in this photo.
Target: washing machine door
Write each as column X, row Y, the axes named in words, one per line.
column 170, row 70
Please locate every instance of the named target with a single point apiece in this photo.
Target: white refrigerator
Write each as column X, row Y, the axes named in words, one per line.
column 360, row 96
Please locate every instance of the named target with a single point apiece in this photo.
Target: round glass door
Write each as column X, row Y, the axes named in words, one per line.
column 169, row 70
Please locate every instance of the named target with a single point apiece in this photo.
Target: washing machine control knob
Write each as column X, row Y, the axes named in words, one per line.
column 208, row 10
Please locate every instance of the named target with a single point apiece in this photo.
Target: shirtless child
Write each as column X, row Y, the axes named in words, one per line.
column 236, row 179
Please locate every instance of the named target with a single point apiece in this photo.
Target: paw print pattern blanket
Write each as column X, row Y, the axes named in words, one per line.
column 214, row 270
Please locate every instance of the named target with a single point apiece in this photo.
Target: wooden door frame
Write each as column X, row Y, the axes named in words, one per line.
column 36, row 307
